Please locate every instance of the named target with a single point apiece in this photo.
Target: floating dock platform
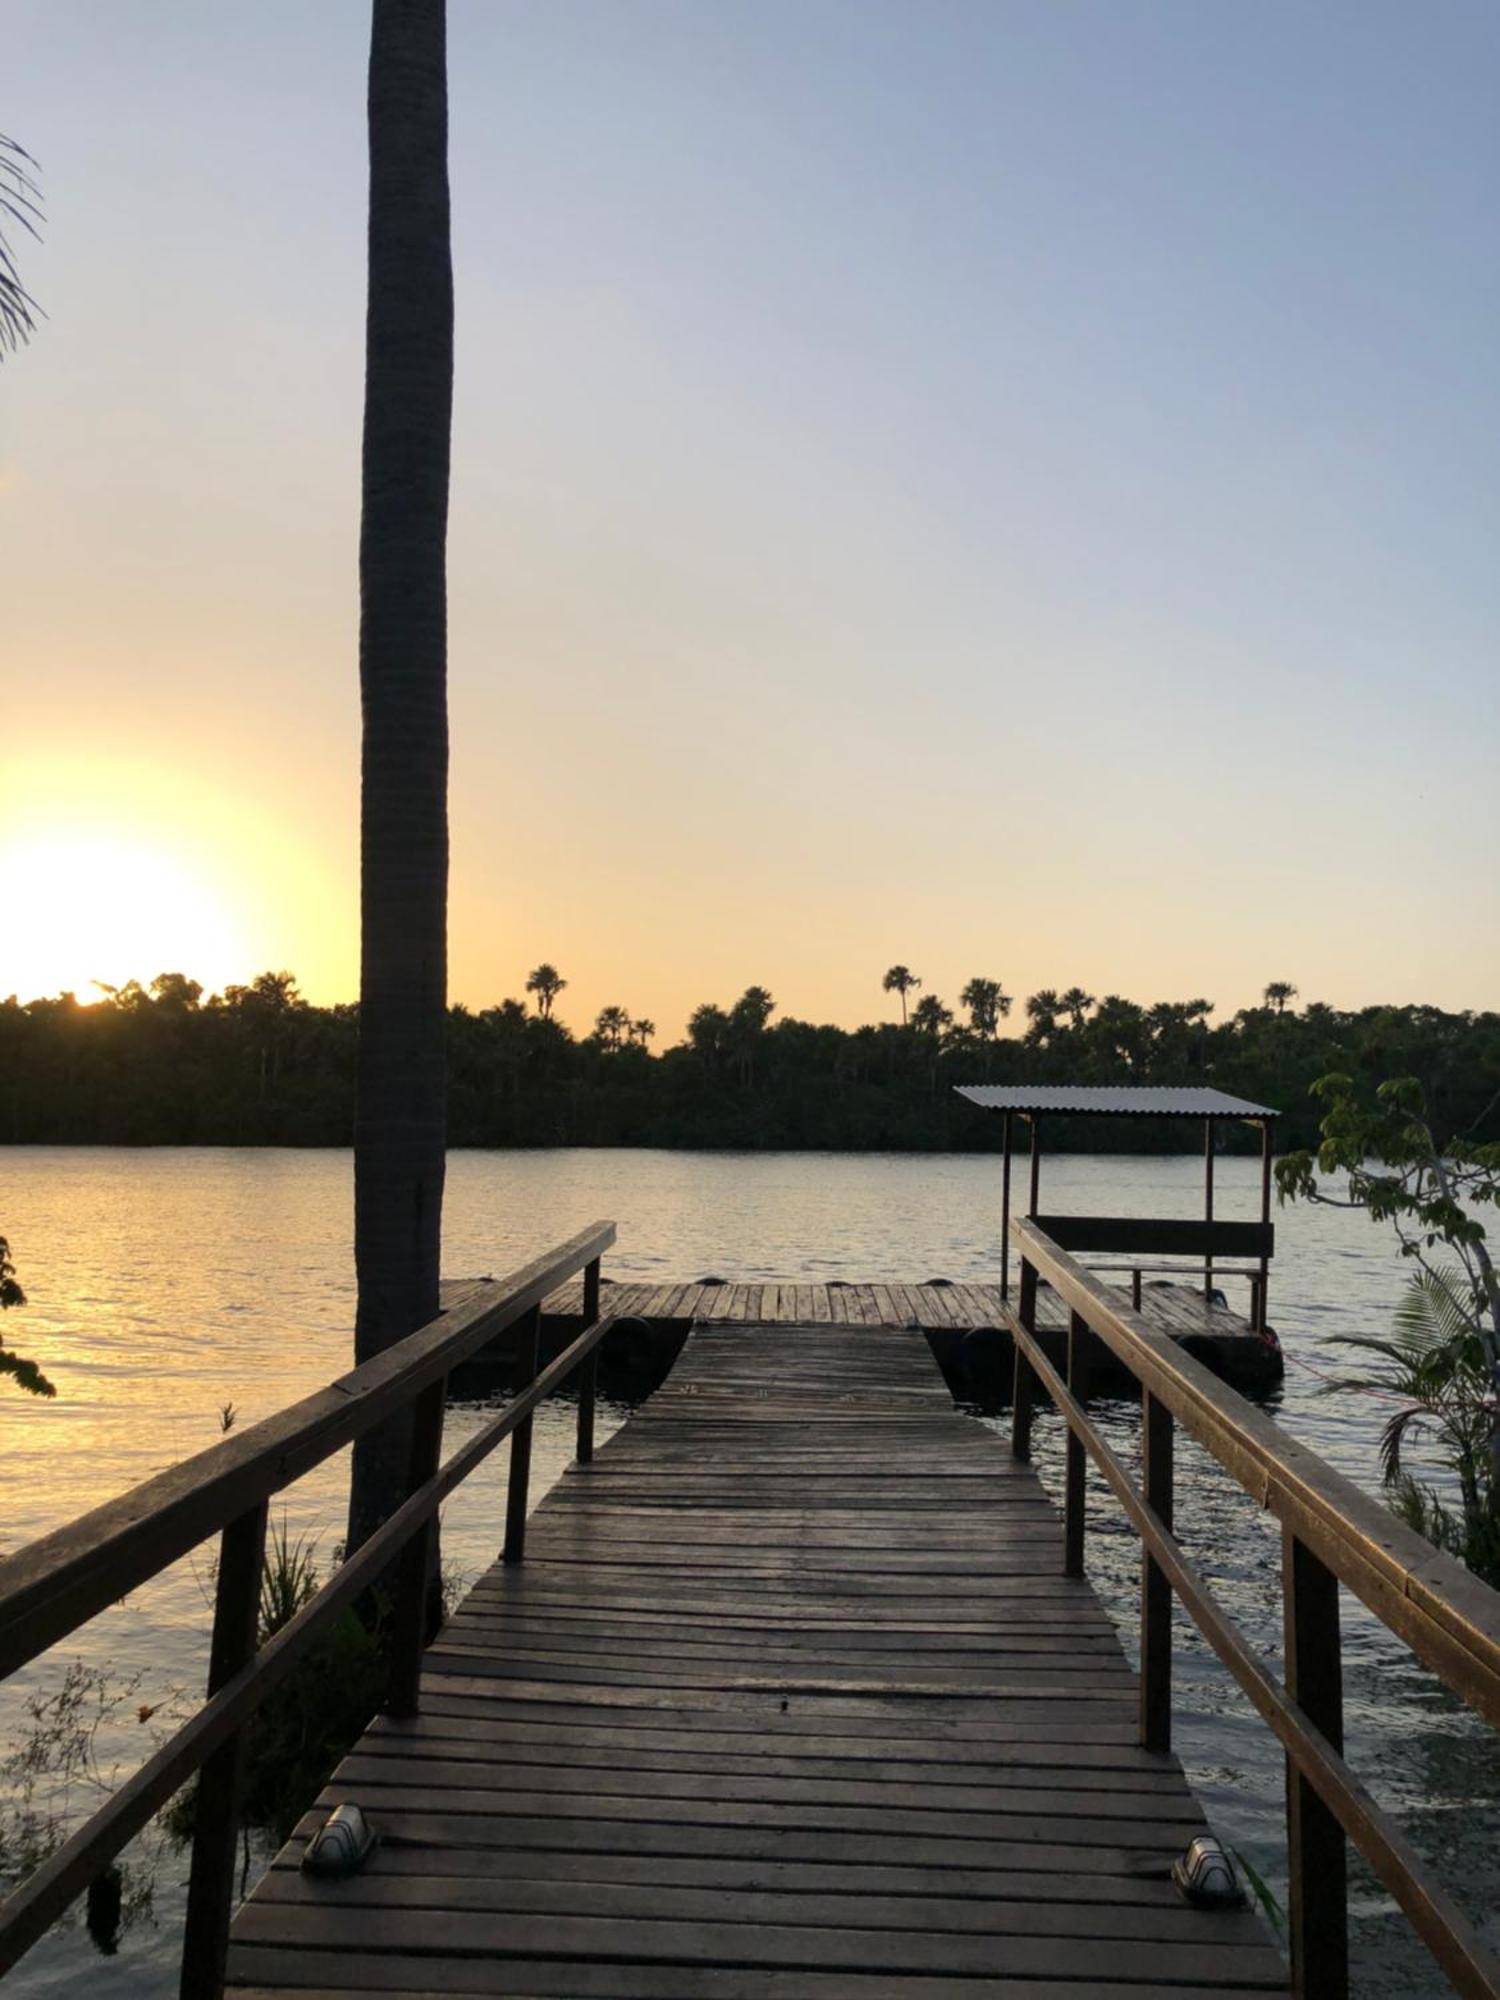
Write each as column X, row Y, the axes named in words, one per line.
column 967, row 1327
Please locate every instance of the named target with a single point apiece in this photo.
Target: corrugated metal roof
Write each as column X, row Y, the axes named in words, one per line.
column 1112, row 1100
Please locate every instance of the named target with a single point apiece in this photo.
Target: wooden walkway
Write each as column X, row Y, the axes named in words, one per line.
column 790, row 1700
column 1177, row 1308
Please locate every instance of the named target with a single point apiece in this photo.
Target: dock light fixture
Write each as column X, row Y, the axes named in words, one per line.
column 342, row 1844
column 1206, row 1875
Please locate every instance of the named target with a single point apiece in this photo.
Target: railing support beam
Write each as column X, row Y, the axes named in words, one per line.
column 588, row 1374
column 412, row 1613
column 518, row 1489
column 1316, row 1847
column 1023, row 1382
column 1075, row 1495
column 221, row 1780
column 1156, row 1592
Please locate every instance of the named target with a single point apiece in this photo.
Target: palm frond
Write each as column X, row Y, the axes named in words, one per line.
column 20, row 203
column 1411, row 1421
column 1437, row 1308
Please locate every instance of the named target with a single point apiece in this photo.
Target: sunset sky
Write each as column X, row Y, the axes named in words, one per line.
column 1012, row 488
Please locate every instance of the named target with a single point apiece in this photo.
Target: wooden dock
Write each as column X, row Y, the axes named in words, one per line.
column 790, row 1699
column 967, row 1326
column 931, row 1307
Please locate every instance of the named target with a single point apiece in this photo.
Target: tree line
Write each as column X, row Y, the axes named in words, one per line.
column 166, row 1063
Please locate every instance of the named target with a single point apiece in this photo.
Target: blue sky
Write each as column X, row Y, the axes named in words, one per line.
column 1010, row 488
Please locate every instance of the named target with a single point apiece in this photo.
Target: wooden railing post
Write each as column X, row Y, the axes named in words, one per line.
column 415, row 1581
column 1075, row 1498
column 1023, row 1387
column 216, row 1820
column 588, row 1374
column 529, row 1331
column 1156, row 1592
column 1316, row 1853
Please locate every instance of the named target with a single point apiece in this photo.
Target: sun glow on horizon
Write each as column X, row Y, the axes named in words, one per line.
column 120, row 865
column 85, row 912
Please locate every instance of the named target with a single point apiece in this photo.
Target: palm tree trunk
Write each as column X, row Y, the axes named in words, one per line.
column 400, row 1120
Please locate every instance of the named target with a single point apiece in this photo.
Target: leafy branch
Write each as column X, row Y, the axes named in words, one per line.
column 26, row 1373
column 20, row 205
column 1443, row 1355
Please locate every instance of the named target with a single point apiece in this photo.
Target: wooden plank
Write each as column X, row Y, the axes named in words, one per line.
column 1015, row 1913
column 332, row 1925
column 869, row 1880
column 364, row 1973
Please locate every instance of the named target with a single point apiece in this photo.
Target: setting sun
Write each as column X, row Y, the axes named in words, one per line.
column 84, row 911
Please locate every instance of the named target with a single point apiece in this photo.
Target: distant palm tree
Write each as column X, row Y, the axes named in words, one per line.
column 642, row 1031
column 708, row 1033
column 400, row 1130
column 753, row 1009
column 1117, row 1033
column 1042, row 1010
column 546, row 983
column 930, row 1016
column 987, row 1002
column 932, row 1020
column 267, row 1008
column 747, row 1023
column 1075, row 1003
column 612, row 1025
column 1278, row 993
column 20, row 202
column 899, row 980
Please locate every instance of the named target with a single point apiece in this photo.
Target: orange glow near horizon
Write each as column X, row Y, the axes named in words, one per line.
column 113, row 872
column 85, row 912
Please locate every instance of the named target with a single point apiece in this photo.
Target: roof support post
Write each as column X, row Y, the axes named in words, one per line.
column 1265, row 1216
column 1005, row 1213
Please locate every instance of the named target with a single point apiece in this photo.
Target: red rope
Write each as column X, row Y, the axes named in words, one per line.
column 1338, row 1382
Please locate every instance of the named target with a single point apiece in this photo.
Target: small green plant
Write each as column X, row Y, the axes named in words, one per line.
column 305, row 1726
column 53, row 1777
column 1435, row 1362
column 288, row 1579
column 1261, row 1889
column 1442, row 1359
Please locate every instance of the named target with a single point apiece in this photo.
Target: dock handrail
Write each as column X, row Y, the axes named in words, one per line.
column 60, row 1581
column 1332, row 1533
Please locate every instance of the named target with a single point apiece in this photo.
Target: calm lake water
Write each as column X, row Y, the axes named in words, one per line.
column 165, row 1285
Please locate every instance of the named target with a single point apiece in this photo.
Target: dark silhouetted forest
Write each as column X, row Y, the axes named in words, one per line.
column 259, row 1065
